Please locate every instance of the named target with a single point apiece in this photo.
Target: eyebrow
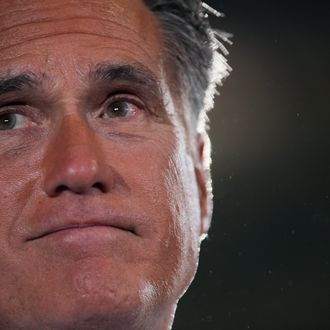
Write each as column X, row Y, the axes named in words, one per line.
column 17, row 82
column 137, row 74
column 104, row 73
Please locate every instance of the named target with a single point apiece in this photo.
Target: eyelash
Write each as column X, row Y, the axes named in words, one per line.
column 16, row 109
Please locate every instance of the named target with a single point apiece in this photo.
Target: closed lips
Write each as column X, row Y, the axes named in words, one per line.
column 79, row 227
column 57, row 224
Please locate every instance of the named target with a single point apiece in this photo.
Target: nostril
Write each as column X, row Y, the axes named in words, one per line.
column 99, row 186
column 80, row 190
column 60, row 189
column 63, row 188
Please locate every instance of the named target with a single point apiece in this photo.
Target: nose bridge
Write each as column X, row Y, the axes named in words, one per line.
column 75, row 139
column 73, row 160
column 70, row 140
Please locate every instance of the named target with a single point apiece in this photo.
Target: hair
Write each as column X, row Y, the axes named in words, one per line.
column 195, row 50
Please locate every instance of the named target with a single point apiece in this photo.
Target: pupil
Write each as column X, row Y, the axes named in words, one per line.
column 7, row 121
column 118, row 109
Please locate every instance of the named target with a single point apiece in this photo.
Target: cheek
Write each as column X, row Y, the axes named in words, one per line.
column 161, row 176
column 184, row 202
column 19, row 177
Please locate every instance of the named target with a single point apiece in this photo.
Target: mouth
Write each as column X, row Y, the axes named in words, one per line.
column 82, row 229
column 85, row 240
column 100, row 228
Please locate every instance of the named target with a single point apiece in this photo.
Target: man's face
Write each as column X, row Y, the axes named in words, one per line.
column 100, row 211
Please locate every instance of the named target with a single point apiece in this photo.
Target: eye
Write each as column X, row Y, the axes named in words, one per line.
column 9, row 121
column 122, row 106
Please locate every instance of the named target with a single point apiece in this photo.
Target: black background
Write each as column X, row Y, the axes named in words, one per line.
column 266, row 262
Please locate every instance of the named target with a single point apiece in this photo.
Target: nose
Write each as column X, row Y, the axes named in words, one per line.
column 74, row 161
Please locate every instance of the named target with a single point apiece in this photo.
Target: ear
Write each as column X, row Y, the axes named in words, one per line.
column 203, row 179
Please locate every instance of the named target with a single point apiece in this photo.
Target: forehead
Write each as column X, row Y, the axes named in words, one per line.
column 60, row 34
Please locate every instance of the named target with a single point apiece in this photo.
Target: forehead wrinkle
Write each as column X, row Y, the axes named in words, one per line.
column 67, row 19
column 104, row 24
column 52, row 8
column 41, row 37
column 87, row 21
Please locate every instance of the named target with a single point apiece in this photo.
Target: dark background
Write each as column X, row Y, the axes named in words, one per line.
column 266, row 263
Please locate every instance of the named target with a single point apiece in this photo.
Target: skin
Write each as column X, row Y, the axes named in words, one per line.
column 103, row 201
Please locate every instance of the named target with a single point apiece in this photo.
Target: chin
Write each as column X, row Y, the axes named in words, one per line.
column 95, row 316
column 94, row 296
column 99, row 303
column 119, row 312
column 97, row 311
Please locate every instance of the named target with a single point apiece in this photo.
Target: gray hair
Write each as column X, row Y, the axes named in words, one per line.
column 196, row 51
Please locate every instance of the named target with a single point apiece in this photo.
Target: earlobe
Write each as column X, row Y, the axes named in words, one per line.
column 202, row 173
